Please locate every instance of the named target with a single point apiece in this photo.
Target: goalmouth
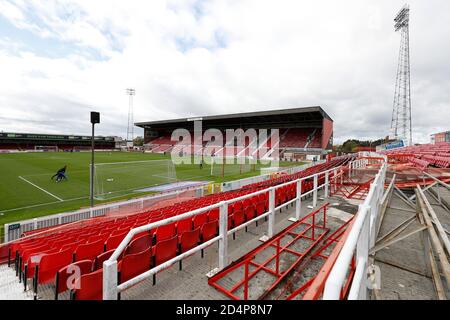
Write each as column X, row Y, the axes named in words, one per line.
column 117, row 179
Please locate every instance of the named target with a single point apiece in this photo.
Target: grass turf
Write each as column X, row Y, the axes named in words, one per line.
column 22, row 174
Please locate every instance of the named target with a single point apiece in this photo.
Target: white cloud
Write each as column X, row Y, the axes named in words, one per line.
column 210, row 57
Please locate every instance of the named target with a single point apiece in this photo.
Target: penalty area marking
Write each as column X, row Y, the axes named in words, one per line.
column 36, row 186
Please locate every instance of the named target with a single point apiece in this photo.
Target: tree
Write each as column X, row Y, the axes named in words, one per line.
column 138, row 141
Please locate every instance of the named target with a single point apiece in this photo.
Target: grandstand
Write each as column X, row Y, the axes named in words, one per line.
column 303, row 132
column 10, row 141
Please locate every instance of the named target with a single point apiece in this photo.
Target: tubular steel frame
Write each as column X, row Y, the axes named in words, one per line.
column 317, row 230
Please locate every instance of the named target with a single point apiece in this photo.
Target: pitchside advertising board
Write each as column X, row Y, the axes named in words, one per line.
column 391, row 145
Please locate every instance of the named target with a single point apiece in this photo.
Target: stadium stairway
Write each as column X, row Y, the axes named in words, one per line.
column 10, row 288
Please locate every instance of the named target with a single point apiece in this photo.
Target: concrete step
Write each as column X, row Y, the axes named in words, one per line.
column 10, row 288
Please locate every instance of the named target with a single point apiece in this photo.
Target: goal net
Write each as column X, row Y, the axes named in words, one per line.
column 230, row 166
column 118, row 179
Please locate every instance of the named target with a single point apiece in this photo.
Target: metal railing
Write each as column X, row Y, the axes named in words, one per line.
column 360, row 239
column 111, row 288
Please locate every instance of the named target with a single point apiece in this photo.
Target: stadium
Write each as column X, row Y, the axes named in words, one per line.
column 254, row 205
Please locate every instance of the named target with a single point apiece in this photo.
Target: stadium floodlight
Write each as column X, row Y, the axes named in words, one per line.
column 95, row 118
column 130, row 126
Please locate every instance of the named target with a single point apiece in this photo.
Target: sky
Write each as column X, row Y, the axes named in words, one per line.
column 59, row 60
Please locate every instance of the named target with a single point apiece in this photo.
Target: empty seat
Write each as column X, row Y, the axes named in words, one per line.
column 114, row 241
column 48, row 266
column 89, row 286
column 89, row 250
column 164, row 250
column 214, row 214
column 63, row 274
column 140, row 244
column 133, row 265
column 209, row 230
column 98, row 261
column 199, row 219
column 165, row 232
column 189, row 240
column 184, row 225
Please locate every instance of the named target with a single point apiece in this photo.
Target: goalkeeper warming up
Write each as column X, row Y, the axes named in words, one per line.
column 61, row 174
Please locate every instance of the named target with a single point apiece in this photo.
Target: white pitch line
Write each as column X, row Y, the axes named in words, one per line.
column 49, row 193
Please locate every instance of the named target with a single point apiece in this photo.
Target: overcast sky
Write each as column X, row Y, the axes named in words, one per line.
column 61, row 59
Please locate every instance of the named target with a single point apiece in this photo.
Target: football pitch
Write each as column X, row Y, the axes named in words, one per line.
column 27, row 190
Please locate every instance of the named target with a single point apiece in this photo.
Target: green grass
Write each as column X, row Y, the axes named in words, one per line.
column 20, row 200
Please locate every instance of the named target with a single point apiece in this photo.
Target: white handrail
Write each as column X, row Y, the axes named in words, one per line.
column 360, row 239
column 110, row 286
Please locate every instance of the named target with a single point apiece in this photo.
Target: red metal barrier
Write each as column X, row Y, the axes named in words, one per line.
column 310, row 230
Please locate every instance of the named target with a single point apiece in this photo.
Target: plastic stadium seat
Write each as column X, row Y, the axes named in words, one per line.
column 199, row 220
column 48, row 266
column 165, row 232
column 89, row 250
column 63, row 274
column 184, row 225
column 214, row 214
column 98, row 261
column 209, row 230
column 140, row 244
column 250, row 212
column 164, row 250
column 260, row 208
column 102, row 237
column 189, row 240
column 238, row 219
column 114, row 241
column 133, row 265
column 89, row 286
column 72, row 246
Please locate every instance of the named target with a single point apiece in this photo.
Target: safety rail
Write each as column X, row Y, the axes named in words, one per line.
column 111, row 288
column 360, row 239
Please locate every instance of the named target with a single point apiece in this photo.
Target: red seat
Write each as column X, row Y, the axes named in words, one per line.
column 72, row 246
column 140, row 244
column 102, row 237
column 63, row 274
column 250, row 212
column 189, row 240
column 209, row 230
column 164, row 250
column 184, row 225
column 214, row 214
column 48, row 266
column 165, row 231
column 133, row 265
column 238, row 218
column 89, row 286
column 199, row 219
column 98, row 261
column 89, row 250
column 260, row 208
column 114, row 241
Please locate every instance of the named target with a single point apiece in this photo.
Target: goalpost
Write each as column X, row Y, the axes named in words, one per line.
column 226, row 166
column 46, row 148
column 117, row 179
